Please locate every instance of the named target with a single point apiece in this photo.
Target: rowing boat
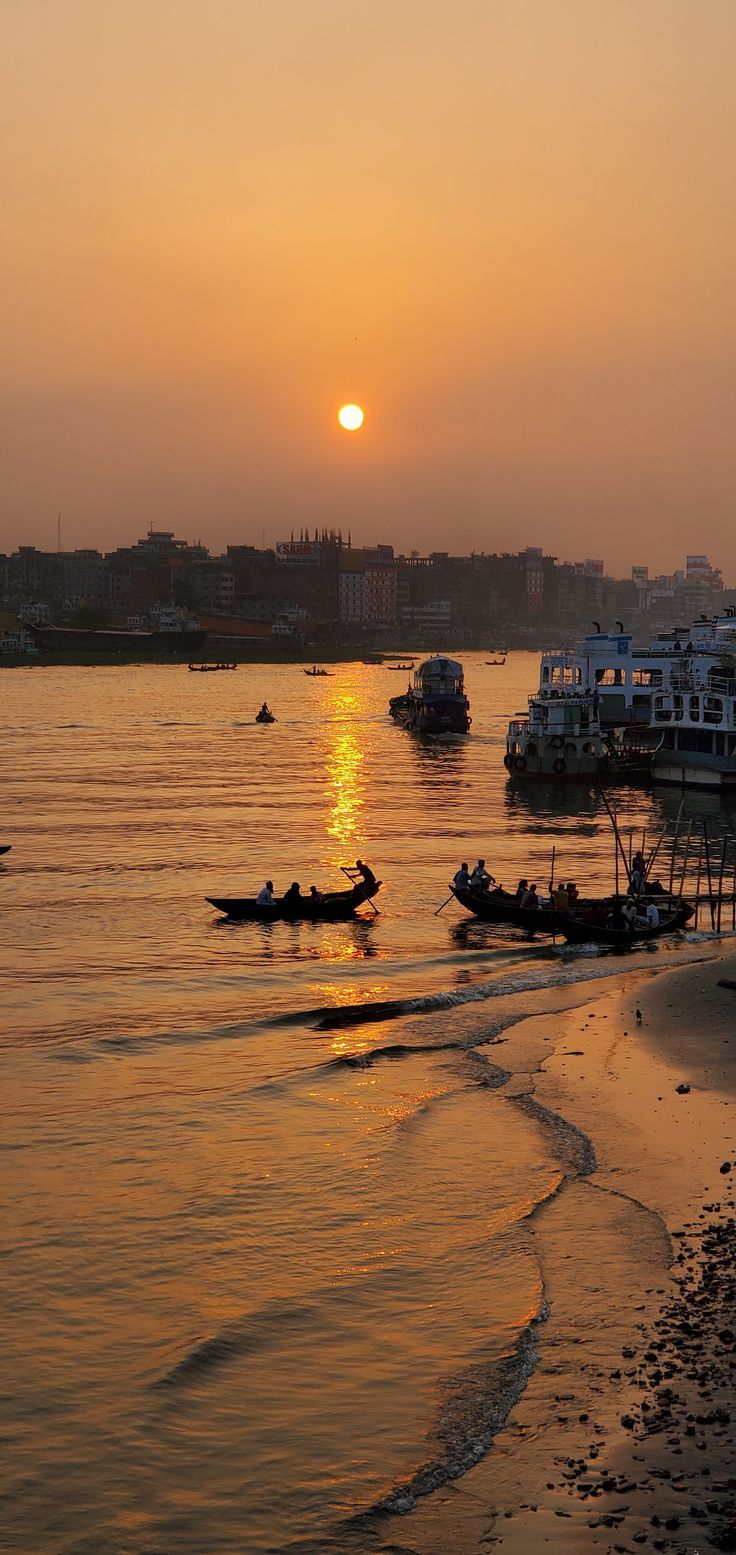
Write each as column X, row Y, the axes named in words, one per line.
column 333, row 905
column 500, row 906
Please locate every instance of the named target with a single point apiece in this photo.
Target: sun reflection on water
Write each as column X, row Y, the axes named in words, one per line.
column 344, row 768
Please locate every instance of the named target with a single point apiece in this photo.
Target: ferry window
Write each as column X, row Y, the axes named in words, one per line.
column 646, row 677
column 609, row 677
column 695, row 740
column 545, row 673
column 695, row 709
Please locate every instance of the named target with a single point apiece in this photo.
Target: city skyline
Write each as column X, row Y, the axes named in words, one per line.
column 505, row 232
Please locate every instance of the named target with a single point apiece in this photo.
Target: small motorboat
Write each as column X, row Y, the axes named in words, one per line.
column 318, row 672
column 265, row 716
column 332, row 905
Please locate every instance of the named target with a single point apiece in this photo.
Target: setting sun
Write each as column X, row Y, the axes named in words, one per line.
column 350, row 417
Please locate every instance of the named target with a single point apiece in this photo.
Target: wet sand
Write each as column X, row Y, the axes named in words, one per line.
column 624, row 1437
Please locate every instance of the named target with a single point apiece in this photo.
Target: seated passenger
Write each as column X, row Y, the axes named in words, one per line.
column 616, row 918
column 559, row 900
column 521, row 891
column 480, row 879
column 573, row 895
column 293, row 894
column 315, row 895
column 652, row 915
column 629, row 911
column 530, row 900
column 461, row 878
column 265, row 895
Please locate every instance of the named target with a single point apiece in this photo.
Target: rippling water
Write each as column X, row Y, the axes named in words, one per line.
column 267, row 1264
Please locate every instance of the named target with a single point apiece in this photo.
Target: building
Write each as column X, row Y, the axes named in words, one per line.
column 367, row 587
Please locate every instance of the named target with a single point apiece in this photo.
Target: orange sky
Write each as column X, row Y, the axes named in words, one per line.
column 504, row 227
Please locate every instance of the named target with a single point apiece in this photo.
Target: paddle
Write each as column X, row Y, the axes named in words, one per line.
column 444, row 904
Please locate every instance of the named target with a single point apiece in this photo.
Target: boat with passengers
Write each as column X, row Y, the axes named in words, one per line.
column 436, row 702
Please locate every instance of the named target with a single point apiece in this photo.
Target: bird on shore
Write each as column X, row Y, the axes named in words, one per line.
column 638, row 1017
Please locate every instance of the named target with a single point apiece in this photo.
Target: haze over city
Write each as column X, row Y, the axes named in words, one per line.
column 503, row 230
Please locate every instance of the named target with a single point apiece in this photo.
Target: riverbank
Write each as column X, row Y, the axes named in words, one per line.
column 623, row 1438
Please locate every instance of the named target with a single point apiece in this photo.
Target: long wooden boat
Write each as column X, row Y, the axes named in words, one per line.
column 334, row 905
column 577, row 932
column 316, row 674
column 210, row 669
column 500, row 906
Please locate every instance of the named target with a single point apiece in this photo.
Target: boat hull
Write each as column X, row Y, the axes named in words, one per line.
column 422, row 717
column 500, row 907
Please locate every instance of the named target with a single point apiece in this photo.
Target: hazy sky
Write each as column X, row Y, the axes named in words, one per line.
column 505, row 227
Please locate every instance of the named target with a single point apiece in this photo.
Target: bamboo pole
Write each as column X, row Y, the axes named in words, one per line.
column 697, row 885
column 720, row 881
column 684, row 864
column 707, row 870
column 616, row 833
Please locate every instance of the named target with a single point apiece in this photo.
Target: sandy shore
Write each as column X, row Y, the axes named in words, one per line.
column 624, row 1436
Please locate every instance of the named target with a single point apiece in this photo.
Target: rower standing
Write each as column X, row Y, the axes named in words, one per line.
column 367, row 876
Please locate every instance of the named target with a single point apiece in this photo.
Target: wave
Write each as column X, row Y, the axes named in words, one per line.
column 476, row 1406
column 528, row 981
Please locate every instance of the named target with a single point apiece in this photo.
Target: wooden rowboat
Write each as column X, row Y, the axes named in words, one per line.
column 334, row 905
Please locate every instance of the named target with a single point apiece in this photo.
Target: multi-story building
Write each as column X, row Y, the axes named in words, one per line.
column 367, row 587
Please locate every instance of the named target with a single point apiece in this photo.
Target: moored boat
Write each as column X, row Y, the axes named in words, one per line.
column 501, row 906
column 332, row 905
column 561, row 739
column 436, row 703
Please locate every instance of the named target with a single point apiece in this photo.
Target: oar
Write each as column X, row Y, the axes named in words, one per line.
column 444, row 904
column 351, row 877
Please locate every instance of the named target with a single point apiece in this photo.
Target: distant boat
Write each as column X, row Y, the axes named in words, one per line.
column 6, row 848
column 266, row 717
column 400, row 666
column 315, row 671
column 495, row 663
column 209, row 669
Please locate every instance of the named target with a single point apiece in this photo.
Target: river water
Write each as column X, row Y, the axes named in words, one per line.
column 266, row 1263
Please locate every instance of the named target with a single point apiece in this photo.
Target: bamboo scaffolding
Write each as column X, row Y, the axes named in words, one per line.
column 707, row 870
column 720, row 882
column 697, row 885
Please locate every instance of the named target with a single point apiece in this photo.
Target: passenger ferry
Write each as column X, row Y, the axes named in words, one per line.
column 561, row 739
column 679, row 693
column 436, row 703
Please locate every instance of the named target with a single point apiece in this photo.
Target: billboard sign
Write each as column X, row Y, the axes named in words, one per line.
column 303, row 552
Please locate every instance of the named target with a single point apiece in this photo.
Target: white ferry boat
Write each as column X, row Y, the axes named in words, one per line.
column 560, row 738
column 679, row 692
